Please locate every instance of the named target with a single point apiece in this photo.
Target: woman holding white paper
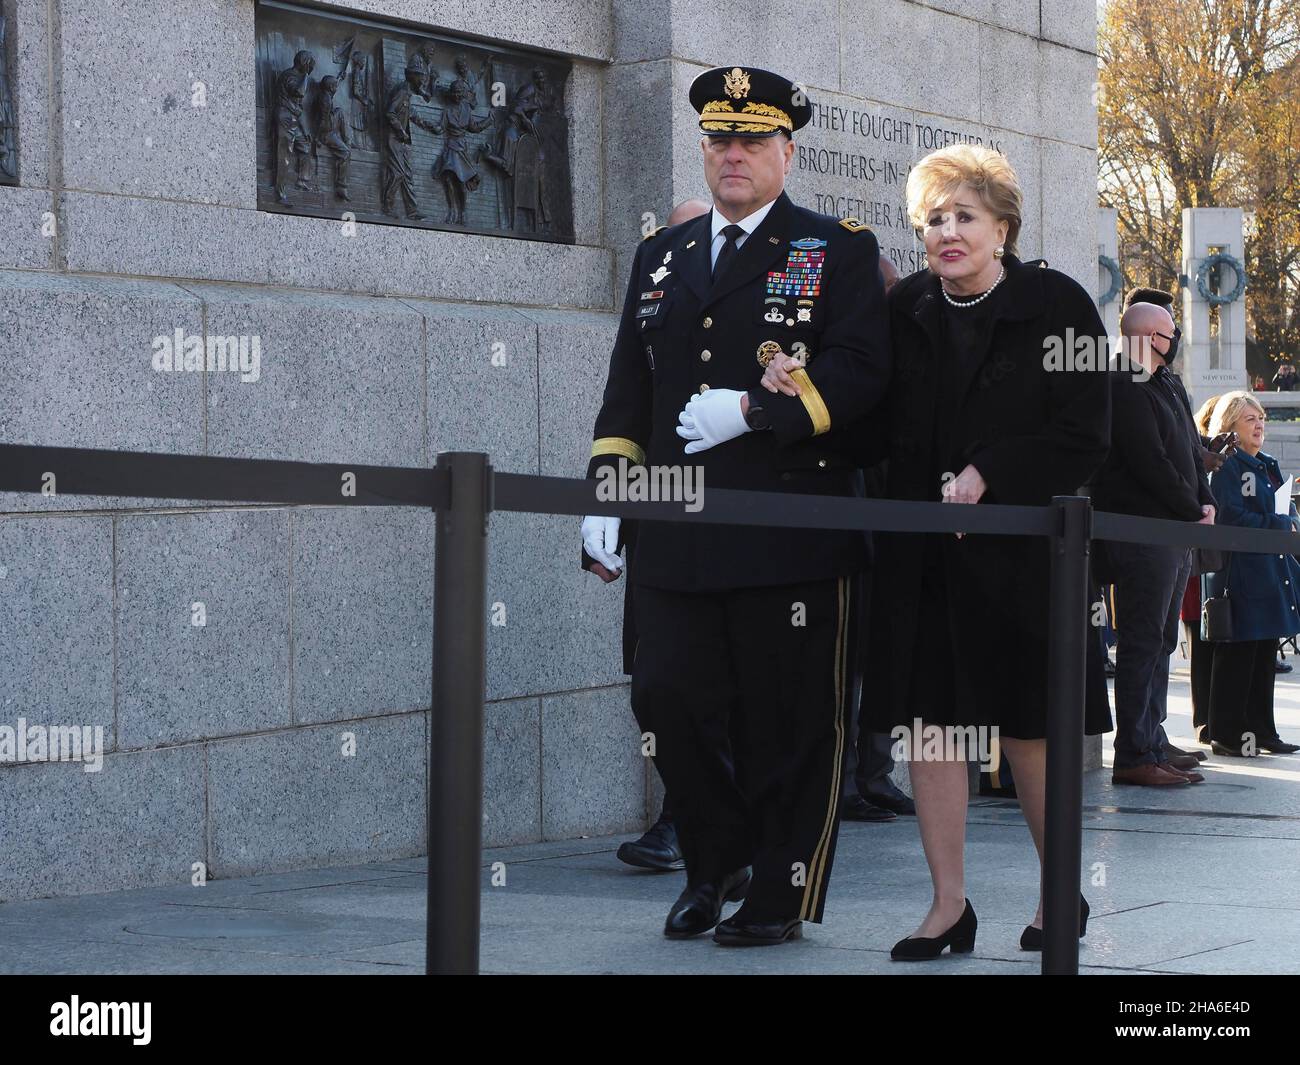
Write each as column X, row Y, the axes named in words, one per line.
column 1263, row 590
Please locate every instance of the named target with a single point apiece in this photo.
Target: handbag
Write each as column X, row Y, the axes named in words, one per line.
column 1216, row 615
column 1207, row 560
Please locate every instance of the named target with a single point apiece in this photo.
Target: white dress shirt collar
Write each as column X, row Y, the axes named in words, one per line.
column 749, row 223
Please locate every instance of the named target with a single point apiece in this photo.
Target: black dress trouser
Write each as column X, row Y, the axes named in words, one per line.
column 771, row 667
column 1149, row 585
column 868, row 756
column 1241, row 692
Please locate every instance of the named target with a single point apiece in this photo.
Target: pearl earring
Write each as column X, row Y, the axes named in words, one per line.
column 998, row 252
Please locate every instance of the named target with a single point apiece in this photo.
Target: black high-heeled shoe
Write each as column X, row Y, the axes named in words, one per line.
column 960, row 938
column 1032, row 938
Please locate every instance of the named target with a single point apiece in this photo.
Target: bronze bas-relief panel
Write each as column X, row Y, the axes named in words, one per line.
column 409, row 128
column 8, row 114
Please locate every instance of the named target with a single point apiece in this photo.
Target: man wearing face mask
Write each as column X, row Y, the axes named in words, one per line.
column 1153, row 470
column 1212, row 452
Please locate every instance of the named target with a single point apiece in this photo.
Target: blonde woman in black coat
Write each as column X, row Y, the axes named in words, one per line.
column 991, row 402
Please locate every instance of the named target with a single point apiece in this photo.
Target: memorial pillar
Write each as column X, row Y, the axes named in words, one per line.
column 1214, row 313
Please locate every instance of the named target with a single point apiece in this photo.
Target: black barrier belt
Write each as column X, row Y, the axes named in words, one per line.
column 730, row 506
column 1129, row 529
column 89, row 471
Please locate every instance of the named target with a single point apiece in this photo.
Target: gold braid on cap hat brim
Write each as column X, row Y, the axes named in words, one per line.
column 719, row 116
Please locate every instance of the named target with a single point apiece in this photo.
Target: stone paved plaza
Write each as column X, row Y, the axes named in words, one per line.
column 1200, row 880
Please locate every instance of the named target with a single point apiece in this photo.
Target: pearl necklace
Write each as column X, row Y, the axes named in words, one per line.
column 983, row 296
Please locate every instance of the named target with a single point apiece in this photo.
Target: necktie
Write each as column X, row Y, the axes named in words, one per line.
column 728, row 252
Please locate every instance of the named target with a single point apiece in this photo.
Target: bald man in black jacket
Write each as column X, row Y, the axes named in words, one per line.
column 1154, row 470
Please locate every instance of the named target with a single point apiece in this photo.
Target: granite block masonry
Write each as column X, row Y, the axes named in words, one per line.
column 260, row 673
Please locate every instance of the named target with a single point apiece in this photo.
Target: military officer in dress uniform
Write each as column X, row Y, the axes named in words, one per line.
column 733, row 621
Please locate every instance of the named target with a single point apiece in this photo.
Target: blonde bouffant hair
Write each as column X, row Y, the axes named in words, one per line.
column 936, row 178
column 1228, row 410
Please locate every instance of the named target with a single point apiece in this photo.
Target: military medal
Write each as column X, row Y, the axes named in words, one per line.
column 660, row 274
column 767, row 351
column 668, row 257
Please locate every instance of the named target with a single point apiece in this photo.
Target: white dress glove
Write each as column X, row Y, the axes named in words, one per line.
column 600, row 538
column 711, row 418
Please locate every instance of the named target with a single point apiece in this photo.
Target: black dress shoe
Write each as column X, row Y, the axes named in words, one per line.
column 892, row 799
column 1277, row 745
column 856, row 808
column 699, row 907
column 1227, row 751
column 1032, row 938
column 737, row 932
column 1282, row 667
column 657, row 849
column 1171, row 751
column 960, row 938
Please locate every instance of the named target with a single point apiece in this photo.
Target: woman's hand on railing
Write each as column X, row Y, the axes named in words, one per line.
column 967, row 487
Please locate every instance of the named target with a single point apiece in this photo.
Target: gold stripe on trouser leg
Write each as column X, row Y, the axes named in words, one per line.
column 813, row 885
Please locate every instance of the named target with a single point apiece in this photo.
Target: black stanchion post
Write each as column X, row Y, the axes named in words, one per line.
column 1067, row 654
column 456, row 721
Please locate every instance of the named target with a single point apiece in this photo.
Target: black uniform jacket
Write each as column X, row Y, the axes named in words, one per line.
column 807, row 282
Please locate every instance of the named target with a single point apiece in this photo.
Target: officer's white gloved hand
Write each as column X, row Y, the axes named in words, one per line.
column 600, row 538
column 711, row 418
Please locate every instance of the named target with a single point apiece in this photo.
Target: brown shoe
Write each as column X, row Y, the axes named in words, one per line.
column 1149, row 776
column 1181, row 761
column 1192, row 776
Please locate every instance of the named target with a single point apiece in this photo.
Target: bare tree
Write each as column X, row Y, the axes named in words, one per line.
column 1198, row 108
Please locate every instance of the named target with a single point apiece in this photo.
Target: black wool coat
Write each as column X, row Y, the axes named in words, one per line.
column 1154, row 468
column 1033, row 433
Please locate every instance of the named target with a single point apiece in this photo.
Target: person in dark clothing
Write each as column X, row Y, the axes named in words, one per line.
column 1286, row 379
column 1153, row 470
column 1263, row 590
column 1213, row 452
column 869, row 793
column 975, row 415
column 717, row 294
column 1200, row 659
column 658, row 848
column 1200, row 653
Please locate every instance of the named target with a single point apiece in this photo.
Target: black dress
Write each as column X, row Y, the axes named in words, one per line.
column 959, row 627
column 935, row 690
